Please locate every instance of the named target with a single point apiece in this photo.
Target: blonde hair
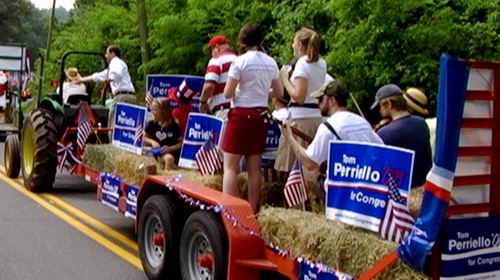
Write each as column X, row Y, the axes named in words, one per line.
column 311, row 40
column 165, row 117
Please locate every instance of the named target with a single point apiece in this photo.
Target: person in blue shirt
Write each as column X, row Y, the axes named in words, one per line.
column 405, row 130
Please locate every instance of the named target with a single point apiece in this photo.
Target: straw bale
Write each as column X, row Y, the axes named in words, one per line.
column 338, row 245
column 131, row 167
column 101, row 157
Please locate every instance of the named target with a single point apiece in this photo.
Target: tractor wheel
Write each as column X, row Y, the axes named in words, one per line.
column 158, row 238
column 38, row 151
column 203, row 252
column 12, row 158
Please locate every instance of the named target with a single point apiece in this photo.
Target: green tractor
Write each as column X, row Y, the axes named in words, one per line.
column 51, row 129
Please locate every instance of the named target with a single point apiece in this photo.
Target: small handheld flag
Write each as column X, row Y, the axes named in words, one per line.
column 208, row 158
column 295, row 187
column 84, row 129
column 397, row 221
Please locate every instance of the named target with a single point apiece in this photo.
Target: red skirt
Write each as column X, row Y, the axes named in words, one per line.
column 246, row 131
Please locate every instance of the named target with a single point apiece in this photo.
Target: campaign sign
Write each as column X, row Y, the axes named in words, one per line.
column 131, row 199
column 471, row 249
column 200, row 128
column 358, row 180
column 128, row 128
column 158, row 86
column 312, row 272
column 273, row 137
column 111, row 190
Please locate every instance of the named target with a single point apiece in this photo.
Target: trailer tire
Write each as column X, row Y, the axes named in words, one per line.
column 159, row 215
column 202, row 234
column 38, row 151
column 12, row 158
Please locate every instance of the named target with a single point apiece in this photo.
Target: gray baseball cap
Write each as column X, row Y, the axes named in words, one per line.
column 386, row 91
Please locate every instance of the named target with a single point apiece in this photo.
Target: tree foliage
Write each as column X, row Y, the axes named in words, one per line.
column 366, row 43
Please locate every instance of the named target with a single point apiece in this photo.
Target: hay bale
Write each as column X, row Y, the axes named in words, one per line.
column 416, row 197
column 338, row 245
column 101, row 157
column 131, row 167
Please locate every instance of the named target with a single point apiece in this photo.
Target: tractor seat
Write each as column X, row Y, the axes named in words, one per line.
column 75, row 99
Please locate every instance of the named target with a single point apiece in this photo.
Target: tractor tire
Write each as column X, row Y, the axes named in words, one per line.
column 12, row 157
column 38, row 151
column 203, row 235
column 159, row 217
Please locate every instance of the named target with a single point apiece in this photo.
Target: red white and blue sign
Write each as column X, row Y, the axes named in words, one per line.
column 471, row 249
column 358, row 180
column 200, row 128
column 158, row 86
column 128, row 127
column 310, row 271
column 131, row 199
column 273, row 137
column 111, row 190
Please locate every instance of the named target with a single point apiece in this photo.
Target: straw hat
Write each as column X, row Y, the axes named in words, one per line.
column 416, row 100
column 72, row 73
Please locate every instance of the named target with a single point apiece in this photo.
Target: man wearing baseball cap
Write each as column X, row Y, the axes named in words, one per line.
column 212, row 96
column 405, row 131
column 341, row 125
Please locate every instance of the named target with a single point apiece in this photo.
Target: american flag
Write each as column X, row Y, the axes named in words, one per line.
column 397, row 221
column 208, row 158
column 186, row 91
column 149, row 99
column 295, row 187
column 84, row 129
column 139, row 132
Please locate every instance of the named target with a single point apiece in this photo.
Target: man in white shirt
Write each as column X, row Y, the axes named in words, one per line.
column 344, row 125
column 118, row 77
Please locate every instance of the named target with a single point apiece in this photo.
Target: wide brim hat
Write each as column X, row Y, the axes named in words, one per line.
column 416, row 100
column 72, row 73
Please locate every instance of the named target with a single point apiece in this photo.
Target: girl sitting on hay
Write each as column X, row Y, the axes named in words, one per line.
column 163, row 134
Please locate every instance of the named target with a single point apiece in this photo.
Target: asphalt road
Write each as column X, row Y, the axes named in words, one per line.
column 66, row 234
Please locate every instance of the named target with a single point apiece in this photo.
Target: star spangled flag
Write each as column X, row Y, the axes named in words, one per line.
column 149, row 99
column 453, row 79
column 295, row 187
column 139, row 132
column 84, row 129
column 397, row 221
column 208, row 158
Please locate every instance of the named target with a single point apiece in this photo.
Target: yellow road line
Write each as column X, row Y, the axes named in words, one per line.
column 95, row 223
column 124, row 254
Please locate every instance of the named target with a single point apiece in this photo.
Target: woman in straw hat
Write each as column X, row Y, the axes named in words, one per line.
column 417, row 103
column 72, row 88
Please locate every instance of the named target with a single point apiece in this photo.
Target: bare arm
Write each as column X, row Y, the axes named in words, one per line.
column 300, row 151
column 230, row 89
column 298, row 91
column 206, row 93
column 276, row 89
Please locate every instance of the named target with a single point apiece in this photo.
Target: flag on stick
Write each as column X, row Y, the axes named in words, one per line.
column 397, row 221
column 208, row 158
column 149, row 99
column 84, row 129
column 295, row 187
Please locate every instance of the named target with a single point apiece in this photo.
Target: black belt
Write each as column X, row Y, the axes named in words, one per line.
column 124, row 92
column 305, row 105
column 221, row 107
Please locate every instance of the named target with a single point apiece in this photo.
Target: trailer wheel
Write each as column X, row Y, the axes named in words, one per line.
column 12, row 158
column 38, row 151
column 203, row 248
column 159, row 238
